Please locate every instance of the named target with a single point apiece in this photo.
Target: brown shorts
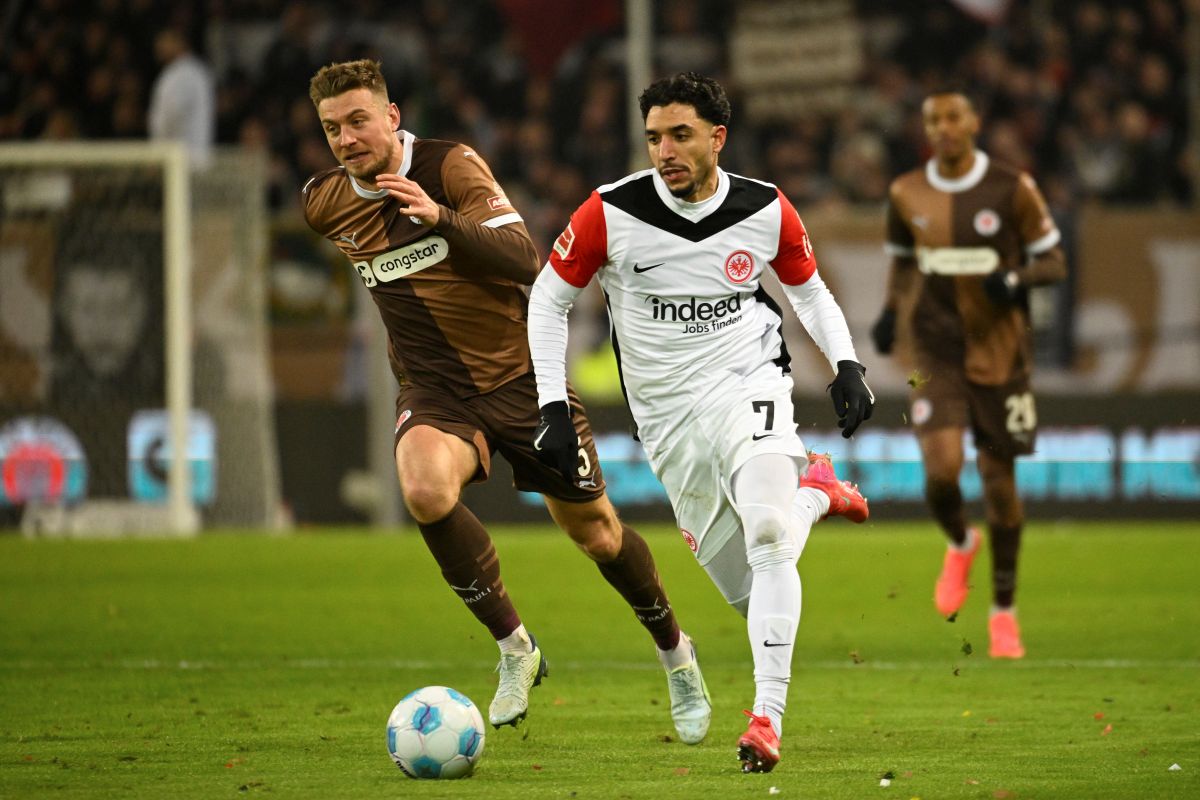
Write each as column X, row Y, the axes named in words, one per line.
column 1002, row 418
column 504, row 420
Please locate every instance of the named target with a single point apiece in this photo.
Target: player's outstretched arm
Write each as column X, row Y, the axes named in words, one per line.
column 822, row 317
column 550, row 302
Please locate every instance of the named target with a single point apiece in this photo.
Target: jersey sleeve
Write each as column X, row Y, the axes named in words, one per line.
column 473, row 191
column 550, row 300
column 582, row 248
column 315, row 204
column 822, row 317
column 794, row 261
column 1036, row 226
column 899, row 241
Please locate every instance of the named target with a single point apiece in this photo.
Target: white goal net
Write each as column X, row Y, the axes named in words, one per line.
column 133, row 317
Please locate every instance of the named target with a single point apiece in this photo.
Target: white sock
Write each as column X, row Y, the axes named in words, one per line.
column 968, row 541
column 810, row 504
column 772, row 622
column 679, row 656
column 516, row 642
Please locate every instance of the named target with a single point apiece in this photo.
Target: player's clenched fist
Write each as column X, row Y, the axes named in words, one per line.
column 883, row 332
column 555, row 440
column 1002, row 287
column 853, row 401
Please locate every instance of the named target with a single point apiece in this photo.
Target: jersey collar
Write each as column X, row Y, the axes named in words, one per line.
column 961, row 184
column 692, row 211
column 406, row 143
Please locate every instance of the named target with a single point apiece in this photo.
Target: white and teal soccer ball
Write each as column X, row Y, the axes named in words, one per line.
column 435, row 732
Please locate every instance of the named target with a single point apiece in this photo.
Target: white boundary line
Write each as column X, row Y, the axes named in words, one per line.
column 152, row 664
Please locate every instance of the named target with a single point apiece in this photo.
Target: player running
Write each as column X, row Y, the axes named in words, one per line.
column 444, row 255
column 680, row 251
column 968, row 237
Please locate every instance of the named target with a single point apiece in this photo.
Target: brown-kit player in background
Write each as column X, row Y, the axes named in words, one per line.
column 968, row 237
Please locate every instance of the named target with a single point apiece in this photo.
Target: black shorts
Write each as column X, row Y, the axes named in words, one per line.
column 505, row 420
column 1003, row 419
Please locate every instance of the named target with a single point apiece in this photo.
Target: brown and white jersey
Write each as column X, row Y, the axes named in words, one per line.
column 957, row 231
column 453, row 323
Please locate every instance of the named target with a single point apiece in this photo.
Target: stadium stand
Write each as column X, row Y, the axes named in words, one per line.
column 1090, row 96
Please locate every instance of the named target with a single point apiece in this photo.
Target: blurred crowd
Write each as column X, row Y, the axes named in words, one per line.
column 1089, row 96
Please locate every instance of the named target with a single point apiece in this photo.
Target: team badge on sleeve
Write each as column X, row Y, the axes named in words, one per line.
column 562, row 245
column 739, row 266
column 691, row 540
column 499, row 199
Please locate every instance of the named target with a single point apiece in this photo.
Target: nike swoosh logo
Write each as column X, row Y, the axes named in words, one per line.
column 775, row 644
column 640, row 270
column 758, row 437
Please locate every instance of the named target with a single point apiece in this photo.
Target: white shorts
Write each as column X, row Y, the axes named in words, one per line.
column 743, row 416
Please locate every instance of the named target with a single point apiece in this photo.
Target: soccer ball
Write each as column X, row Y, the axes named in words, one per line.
column 435, row 732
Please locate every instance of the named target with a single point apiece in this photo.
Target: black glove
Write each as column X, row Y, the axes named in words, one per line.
column 852, row 398
column 555, row 440
column 1002, row 287
column 883, row 332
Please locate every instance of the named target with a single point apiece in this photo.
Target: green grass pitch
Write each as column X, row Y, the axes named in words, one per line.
column 245, row 665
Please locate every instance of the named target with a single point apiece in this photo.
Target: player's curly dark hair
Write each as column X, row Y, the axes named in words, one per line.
column 332, row 80
column 689, row 88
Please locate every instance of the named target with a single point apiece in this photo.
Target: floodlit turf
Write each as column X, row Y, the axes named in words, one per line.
column 233, row 666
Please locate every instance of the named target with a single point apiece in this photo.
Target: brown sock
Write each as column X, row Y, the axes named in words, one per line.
column 1006, row 543
column 944, row 499
column 462, row 548
column 632, row 573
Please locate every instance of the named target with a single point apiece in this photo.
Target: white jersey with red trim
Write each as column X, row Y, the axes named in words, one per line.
column 683, row 281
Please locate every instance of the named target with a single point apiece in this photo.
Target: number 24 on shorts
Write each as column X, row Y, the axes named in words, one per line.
column 1022, row 414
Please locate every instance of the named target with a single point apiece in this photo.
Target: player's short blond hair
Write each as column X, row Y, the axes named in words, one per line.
column 332, row 80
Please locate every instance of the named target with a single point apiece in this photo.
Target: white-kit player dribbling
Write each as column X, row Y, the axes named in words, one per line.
column 680, row 251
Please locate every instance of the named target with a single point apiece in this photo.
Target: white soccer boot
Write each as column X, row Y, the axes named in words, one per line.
column 519, row 672
column 691, row 706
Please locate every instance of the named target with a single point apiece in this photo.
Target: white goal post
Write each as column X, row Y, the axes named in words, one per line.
column 147, row 190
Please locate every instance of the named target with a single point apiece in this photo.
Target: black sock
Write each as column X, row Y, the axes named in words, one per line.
column 1006, row 543
column 944, row 499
